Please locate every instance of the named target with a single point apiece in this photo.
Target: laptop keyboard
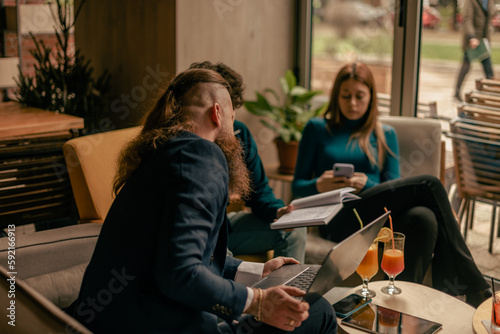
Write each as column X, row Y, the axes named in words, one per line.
column 304, row 280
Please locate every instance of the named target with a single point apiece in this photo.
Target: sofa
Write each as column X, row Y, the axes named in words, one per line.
column 49, row 267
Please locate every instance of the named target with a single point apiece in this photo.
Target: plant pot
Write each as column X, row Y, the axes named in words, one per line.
column 287, row 154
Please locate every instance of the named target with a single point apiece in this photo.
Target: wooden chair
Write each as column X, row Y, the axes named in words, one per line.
column 479, row 112
column 483, row 98
column 488, row 85
column 476, row 149
column 424, row 109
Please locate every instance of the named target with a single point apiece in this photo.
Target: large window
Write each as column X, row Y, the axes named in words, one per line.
column 441, row 55
column 385, row 34
column 350, row 30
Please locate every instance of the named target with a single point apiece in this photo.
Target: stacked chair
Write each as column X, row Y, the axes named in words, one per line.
column 475, row 136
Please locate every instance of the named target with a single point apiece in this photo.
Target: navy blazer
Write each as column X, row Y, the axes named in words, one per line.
column 160, row 264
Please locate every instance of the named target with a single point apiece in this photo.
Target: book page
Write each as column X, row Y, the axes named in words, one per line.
column 327, row 198
column 318, row 215
column 315, row 213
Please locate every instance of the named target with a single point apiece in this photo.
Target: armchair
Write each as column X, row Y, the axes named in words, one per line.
column 91, row 163
column 421, row 152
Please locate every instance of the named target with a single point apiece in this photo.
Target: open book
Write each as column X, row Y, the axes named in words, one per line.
column 316, row 209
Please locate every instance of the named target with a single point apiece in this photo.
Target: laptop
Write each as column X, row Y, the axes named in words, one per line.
column 340, row 262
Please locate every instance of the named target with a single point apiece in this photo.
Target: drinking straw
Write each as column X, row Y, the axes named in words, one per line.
column 392, row 230
column 493, row 288
column 359, row 219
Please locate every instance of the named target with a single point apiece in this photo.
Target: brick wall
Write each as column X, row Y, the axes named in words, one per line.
column 27, row 59
column 10, row 46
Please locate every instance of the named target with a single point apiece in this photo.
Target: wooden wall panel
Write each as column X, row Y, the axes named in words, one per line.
column 135, row 41
column 254, row 37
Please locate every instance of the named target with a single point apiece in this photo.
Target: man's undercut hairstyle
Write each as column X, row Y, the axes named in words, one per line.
column 164, row 121
column 233, row 78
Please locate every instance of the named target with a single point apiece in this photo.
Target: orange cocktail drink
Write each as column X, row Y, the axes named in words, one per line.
column 367, row 269
column 393, row 262
column 369, row 265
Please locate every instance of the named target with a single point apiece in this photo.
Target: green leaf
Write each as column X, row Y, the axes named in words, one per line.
column 298, row 91
column 306, row 96
column 285, row 134
column 289, row 118
column 290, row 79
column 297, row 135
column 263, row 102
column 284, row 85
column 255, row 108
column 321, row 109
column 297, row 110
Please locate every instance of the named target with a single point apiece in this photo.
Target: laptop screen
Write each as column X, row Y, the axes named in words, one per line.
column 344, row 258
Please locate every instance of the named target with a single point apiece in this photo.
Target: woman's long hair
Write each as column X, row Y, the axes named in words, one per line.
column 162, row 123
column 335, row 119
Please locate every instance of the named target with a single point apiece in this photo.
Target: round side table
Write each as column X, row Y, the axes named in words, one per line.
column 483, row 312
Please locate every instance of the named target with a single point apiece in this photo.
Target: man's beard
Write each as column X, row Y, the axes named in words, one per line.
column 240, row 185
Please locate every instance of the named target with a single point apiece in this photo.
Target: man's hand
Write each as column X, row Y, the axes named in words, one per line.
column 278, row 308
column 283, row 210
column 474, row 43
column 277, row 262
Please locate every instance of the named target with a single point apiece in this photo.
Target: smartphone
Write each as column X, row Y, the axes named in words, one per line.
column 350, row 304
column 343, row 170
column 378, row 320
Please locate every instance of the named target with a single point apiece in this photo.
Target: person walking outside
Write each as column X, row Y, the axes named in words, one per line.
column 477, row 26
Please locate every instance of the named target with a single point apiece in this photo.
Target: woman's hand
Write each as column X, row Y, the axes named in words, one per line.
column 277, row 262
column 327, row 182
column 358, row 181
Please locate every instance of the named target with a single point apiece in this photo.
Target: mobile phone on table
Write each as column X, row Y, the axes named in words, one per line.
column 350, row 304
column 346, row 170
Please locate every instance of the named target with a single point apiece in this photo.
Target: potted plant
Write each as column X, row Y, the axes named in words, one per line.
column 64, row 79
column 287, row 118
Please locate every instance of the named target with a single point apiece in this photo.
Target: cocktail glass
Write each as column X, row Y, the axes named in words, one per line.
column 495, row 314
column 367, row 269
column 393, row 261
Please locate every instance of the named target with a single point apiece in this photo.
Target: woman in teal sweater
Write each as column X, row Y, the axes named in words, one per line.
column 326, row 147
column 351, row 133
